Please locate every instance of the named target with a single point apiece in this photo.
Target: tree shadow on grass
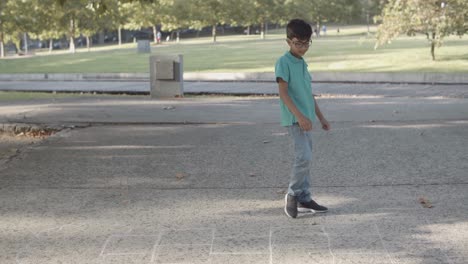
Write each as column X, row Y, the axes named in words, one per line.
column 452, row 57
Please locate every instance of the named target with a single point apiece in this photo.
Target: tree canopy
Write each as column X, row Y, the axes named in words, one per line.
column 435, row 19
column 52, row 19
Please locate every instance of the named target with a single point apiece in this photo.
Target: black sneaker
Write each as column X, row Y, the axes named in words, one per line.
column 290, row 206
column 311, row 207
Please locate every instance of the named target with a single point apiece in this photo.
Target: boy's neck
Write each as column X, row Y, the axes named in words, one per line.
column 295, row 55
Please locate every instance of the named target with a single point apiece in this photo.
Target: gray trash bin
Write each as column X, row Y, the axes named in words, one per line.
column 143, row 46
column 166, row 76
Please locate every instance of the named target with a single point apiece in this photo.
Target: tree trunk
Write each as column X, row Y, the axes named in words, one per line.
column 72, row 35
column 2, row 49
column 213, row 33
column 155, row 32
column 248, row 30
column 88, row 43
column 433, row 46
column 51, row 45
column 317, row 29
column 2, row 46
column 17, row 44
column 120, row 35
column 433, row 51
column 72, row 45
column 178, row 36
column 262, row 30
column 25, row 39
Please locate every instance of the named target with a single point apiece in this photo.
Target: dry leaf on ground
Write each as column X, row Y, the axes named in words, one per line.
column 425, row 203
column 180, row 176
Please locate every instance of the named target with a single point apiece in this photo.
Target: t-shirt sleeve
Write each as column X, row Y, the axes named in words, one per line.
column 282, row 70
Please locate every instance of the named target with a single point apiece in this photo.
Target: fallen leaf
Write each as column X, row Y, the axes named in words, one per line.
column 266, row 141
column 169, row 107
column 425, row 203
column 252, row 174
column 180, row 176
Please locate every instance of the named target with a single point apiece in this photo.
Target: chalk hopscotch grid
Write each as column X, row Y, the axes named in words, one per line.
column 271, row 243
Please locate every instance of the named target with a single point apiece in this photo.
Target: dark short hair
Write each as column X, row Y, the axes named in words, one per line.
column 298, row 28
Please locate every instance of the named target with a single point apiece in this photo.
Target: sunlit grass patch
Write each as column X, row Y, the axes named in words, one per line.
column 351, row 50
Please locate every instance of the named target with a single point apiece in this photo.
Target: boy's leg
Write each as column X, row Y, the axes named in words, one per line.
column 299, row 182
column 299, row 185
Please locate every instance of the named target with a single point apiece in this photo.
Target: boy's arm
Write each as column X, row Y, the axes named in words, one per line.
column 304, row 122
column 323, row 121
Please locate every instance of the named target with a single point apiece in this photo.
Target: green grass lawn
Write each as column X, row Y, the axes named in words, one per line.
column 349, row 51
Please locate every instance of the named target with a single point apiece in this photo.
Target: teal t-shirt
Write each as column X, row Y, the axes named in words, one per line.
column 294, row 71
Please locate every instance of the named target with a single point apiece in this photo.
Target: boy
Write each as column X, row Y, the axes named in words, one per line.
column 298, row 110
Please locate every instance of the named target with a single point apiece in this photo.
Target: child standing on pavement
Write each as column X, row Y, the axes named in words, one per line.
column 298, row 110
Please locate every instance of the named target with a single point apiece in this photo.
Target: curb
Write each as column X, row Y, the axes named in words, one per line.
column 330, row 77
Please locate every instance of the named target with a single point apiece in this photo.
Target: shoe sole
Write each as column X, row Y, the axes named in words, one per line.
column 285, row 204
column 307, row 210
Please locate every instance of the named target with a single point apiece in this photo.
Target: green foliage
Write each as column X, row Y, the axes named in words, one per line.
column 324, row 11
column 144, row 15
column 48, row 15
column 173, row 14
column 435, row 19
column 15, row 19
column 53, row 18
column 47, row 19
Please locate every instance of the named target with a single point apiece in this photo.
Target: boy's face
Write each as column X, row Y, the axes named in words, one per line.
column 298, row 47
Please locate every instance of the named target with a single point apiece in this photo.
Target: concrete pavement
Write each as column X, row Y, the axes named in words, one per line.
column 202, row 180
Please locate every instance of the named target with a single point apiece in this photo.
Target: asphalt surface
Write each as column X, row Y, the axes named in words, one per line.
column 202, row 179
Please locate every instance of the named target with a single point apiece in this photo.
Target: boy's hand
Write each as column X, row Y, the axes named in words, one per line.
column 325, row 124
column 305, row 124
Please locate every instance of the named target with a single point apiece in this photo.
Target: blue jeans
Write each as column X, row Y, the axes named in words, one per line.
column 299, row 183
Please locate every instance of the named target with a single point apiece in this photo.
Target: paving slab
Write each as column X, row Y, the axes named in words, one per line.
column 99, row 199
column 228, row 110
column 146, row 230
column 137, row 183
column 226, row 156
